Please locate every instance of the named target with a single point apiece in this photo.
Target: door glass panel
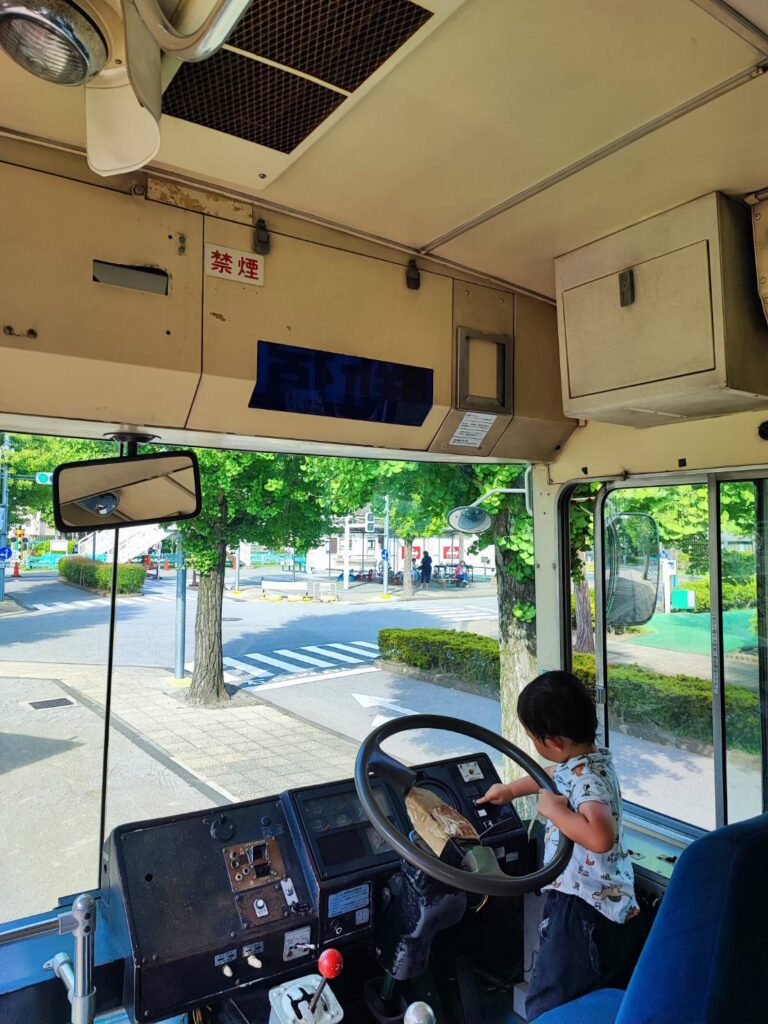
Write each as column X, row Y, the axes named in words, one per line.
column 659, row 679
column 742, row 522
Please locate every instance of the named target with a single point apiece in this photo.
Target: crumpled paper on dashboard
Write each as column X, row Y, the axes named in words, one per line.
column 435, row 821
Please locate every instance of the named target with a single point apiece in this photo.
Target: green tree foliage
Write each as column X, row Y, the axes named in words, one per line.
column 420, row 495
column 32, row 453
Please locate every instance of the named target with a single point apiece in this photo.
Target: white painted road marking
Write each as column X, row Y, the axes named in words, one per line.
column 334, row 655
column 305, row 658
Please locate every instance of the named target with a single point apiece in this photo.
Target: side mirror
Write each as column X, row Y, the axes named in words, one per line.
column 631, row 569
column 105, row 493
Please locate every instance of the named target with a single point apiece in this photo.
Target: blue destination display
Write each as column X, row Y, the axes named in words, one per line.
column 306, row 380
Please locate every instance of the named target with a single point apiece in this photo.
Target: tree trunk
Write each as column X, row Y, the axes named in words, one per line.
column 517, row 656
column 208, row 677
column 408, row 570
column 585, row 633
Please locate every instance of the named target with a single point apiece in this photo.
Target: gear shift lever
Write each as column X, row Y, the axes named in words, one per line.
column 330, row 964
column 419, row 1013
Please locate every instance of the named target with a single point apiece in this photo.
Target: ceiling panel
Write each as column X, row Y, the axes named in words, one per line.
column 720, row 147
column 499, row 97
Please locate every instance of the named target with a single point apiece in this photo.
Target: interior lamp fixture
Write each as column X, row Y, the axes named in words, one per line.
column 52, row 39
column 57, row 41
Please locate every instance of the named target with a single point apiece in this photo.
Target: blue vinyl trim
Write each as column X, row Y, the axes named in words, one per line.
column 21, row 963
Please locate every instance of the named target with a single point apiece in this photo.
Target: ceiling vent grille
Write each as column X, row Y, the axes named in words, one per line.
column 256, row 102
column 338, row 43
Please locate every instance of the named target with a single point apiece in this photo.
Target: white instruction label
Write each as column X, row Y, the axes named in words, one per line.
column 473, row 429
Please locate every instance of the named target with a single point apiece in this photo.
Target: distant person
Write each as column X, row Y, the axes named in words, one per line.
column 460, row 576
column 415, row 572
column 426, row 569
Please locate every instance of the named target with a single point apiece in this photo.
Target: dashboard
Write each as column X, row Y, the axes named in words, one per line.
column 211, row 902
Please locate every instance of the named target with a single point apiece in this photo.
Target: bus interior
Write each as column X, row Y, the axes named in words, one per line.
column 393, row 230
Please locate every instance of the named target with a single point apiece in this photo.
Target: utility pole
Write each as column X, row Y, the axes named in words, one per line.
column 181, row 608
column 385, row 554
column 346, row 552
column 237, row 568
column 4, row 509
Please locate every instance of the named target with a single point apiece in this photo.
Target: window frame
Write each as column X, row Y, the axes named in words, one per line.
column 712, row 480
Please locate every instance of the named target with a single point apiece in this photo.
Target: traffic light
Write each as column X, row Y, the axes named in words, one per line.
column 18, row 532
column 370, row 522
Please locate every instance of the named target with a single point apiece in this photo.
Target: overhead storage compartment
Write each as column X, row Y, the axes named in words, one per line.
column 100, row 298
column 662, row 321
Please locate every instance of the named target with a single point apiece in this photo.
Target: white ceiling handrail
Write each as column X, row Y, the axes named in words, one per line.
column 197, row 45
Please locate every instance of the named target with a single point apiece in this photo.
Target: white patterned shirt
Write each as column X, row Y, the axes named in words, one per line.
column 604, row 880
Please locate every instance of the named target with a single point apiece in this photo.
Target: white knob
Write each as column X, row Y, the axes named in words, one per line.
column 227, row 971
column 419, row 1013
column 253, row 961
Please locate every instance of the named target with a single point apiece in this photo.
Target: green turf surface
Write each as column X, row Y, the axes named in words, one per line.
column 689, row 632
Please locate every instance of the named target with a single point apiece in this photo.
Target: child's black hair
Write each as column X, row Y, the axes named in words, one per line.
column 558, row 704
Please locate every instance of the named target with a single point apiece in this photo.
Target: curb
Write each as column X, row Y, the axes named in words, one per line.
column 439, row 679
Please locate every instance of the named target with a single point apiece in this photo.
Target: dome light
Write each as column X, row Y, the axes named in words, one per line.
column 52, row 39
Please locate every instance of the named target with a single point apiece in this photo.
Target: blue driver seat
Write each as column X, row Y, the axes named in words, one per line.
column 706, row 957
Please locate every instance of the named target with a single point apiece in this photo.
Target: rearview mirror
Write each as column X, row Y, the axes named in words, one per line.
column 104, row 493
column 631, row 569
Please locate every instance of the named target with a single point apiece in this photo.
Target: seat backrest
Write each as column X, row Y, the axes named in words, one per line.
column 706, row 958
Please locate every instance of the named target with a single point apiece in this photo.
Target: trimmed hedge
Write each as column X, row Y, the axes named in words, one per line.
column 676, row 704
column 735, row 595
column 98, row 575
column 467, row 655
column 664, row 706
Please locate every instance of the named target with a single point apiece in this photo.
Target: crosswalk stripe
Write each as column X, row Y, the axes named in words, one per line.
column 333, row 654
column 276, row 662
column 354, row 650
column 304, row 657
column 251, row 670
column 364, row 643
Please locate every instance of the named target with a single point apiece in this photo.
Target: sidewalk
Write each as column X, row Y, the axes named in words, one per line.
column 366, row 593
column 240, row 751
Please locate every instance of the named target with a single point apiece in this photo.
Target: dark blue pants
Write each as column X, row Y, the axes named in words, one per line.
column 580, row 950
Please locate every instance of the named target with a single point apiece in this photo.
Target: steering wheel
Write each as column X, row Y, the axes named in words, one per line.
column 489, row 880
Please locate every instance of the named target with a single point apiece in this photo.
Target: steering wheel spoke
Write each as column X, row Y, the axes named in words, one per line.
column 484, row 876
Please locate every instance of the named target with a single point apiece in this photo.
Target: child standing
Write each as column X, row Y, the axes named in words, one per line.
column 589, row 938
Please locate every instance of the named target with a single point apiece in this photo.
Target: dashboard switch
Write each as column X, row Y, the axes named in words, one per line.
column 254, row 962
column 227, row 971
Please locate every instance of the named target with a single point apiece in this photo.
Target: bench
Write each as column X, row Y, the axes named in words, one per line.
column 287, row 587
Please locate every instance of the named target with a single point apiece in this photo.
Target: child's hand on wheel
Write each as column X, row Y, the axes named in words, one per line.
column 497, row 794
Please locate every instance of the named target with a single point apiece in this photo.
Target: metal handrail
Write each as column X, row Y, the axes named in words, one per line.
column 75, row 973
column 29, row 931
